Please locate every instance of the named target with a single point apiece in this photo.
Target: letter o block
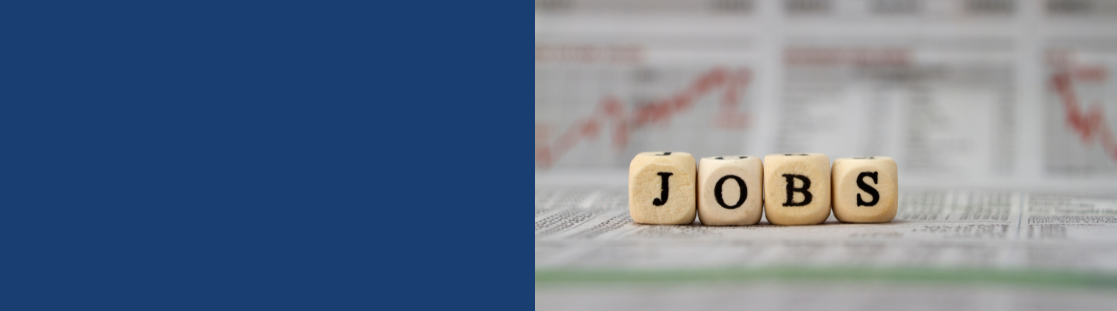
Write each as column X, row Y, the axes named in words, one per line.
column 797, row 188
column 866, row 189
column 730, row 191
column 661, row 188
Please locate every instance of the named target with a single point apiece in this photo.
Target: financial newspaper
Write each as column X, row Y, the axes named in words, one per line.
column 591, row 228
column 962, row 93
column 589, row 251
column 1001, row 116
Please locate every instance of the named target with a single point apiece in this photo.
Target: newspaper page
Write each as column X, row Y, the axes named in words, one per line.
column 1016, row 95
column 588, row 251
column 1001, row 116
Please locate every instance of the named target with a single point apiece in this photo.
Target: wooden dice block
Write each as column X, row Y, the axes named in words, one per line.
column 866, row 189
column 661, row 188
column 730, row 191
column 797, row 188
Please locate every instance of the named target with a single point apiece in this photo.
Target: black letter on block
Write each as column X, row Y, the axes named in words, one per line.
column 744, row 191
column 872, row 192
column 658, row 201
column 791, row 190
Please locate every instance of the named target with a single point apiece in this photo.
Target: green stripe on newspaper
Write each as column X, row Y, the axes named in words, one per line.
column 929, row 275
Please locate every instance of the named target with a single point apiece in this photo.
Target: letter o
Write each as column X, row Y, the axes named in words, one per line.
column 740, row 200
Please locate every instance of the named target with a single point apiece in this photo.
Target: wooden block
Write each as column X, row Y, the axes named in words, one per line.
column 797, row 188
column 866, row 189
column 730, row 191
column 661, row 188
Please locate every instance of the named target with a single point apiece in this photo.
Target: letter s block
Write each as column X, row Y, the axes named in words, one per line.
column 730, row 191
column 797, row 188
column 866, row 189
column 661, row 188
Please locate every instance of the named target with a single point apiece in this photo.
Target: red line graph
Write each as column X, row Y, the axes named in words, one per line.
column 1090, row 125
column 611, row 113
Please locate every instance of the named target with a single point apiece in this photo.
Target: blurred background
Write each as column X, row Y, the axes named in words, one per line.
column 1001, row 115
column 962, row 93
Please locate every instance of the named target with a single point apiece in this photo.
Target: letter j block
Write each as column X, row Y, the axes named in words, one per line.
column 797, row 188
column 661, row 188
column 865, row 189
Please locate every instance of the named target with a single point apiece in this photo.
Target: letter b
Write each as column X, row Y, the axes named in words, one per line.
column 797, row 188
column 791, row 190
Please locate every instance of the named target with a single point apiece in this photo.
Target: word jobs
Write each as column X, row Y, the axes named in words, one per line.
column 789, row 188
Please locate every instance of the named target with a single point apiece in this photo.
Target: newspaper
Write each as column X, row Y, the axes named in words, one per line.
column 585, row 237
column 962, row 93
column 1000, row 114
column 974, row 229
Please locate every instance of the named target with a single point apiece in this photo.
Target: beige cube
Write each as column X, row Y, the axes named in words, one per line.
column 866, row 189
column 797, row 188
column 729, row 190
column 661, row 188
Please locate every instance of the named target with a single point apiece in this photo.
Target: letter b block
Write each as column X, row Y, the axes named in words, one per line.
column 797, row 188
column 730, row 191
column 865, row 189
column 661, row 188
